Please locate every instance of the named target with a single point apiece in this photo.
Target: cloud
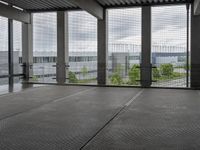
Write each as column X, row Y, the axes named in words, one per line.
column 124, row 26
column 174, row 16
column 82, row 26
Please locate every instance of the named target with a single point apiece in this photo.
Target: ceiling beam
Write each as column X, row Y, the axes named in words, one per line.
column 91, row 6
column 196, row 7
column 13, row 13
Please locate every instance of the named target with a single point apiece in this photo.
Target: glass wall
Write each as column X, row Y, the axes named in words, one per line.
column 44, row 47
column 3, row 49
column 169, row 45
column 82, row 48
column 124, row 46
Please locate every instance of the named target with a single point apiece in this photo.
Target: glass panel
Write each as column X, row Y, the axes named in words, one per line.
column 3, row 46
column 82, row 48
column 124, row 46
column 3, row 82
column 18, row 79
column 17, row 47
column 169, row 45
column 4, row 85
column 44, row 47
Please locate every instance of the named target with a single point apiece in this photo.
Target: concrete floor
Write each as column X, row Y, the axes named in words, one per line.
column 99, row 118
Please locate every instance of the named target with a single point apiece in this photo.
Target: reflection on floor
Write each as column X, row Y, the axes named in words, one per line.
column 104, row 118
column 4, row 89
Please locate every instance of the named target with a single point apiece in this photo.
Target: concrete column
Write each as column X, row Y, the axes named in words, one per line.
column 146, row 47
column 102, row 51
column 62, row 47
column 27, row 49
column 10, row 51
column 195, row 50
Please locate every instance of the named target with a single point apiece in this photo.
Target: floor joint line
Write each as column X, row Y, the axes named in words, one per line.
column 113, row 117
column 52, row 101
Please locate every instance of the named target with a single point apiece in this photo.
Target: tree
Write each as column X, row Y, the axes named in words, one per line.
column 166, row 69
column 134, row 74
column 35, row 78
column 156, row 73
column 84, row 71
column 72, row 77
column 116, row 79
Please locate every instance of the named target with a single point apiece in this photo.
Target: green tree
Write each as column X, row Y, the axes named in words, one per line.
column 84, row 71
column 35, row 78
column 134, row 74
column 116, row 79
column 156, row 73
column 166, row 69
column 72, row 77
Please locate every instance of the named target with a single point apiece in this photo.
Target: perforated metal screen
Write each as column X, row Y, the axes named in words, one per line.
column 82, row 48
column 124, row 46
column 44, row 47
column 169, row 45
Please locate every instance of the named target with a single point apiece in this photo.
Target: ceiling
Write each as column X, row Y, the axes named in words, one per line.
column 50, row 5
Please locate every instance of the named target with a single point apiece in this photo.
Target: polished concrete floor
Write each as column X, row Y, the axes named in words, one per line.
column 99, row 118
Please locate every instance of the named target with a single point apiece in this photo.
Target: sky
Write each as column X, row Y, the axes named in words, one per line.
column 124, row 27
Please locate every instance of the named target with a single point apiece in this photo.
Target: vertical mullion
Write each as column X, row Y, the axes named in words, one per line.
column 187, row 57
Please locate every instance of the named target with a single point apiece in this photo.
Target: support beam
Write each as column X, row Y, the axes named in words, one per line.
column 27, row 50
column 13, row 13
column 62, row 47
column 102, row 51
column 10, row 51
column 195, row 50
column 196, row 7
column 146, row 47
column 91, row 6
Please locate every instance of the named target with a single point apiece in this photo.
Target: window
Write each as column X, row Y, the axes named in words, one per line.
column 169, row 45
column 17, row 46
column 124, row 46
column 3, row 50
column 44, row 46
column 82, row 46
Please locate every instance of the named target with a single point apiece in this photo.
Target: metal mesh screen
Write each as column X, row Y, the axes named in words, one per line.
column 17, row 46
column 82, row 48
column 17, row 49
column 169, row 45
column 44, row 47
column 124, row 46
column 3, row 50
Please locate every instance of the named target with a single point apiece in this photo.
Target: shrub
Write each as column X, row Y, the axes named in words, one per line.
column 72, row 77
column 156, row 73
column 166, row 69
column 116, row 79
column 84, row 71
column 35, row 78
column 134, row 74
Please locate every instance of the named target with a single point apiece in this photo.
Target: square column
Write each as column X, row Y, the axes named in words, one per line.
column 62, row 47
column 146, row 47
column 195, row 50
column 27, row 49
column 10, row 51
column 102, row 51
